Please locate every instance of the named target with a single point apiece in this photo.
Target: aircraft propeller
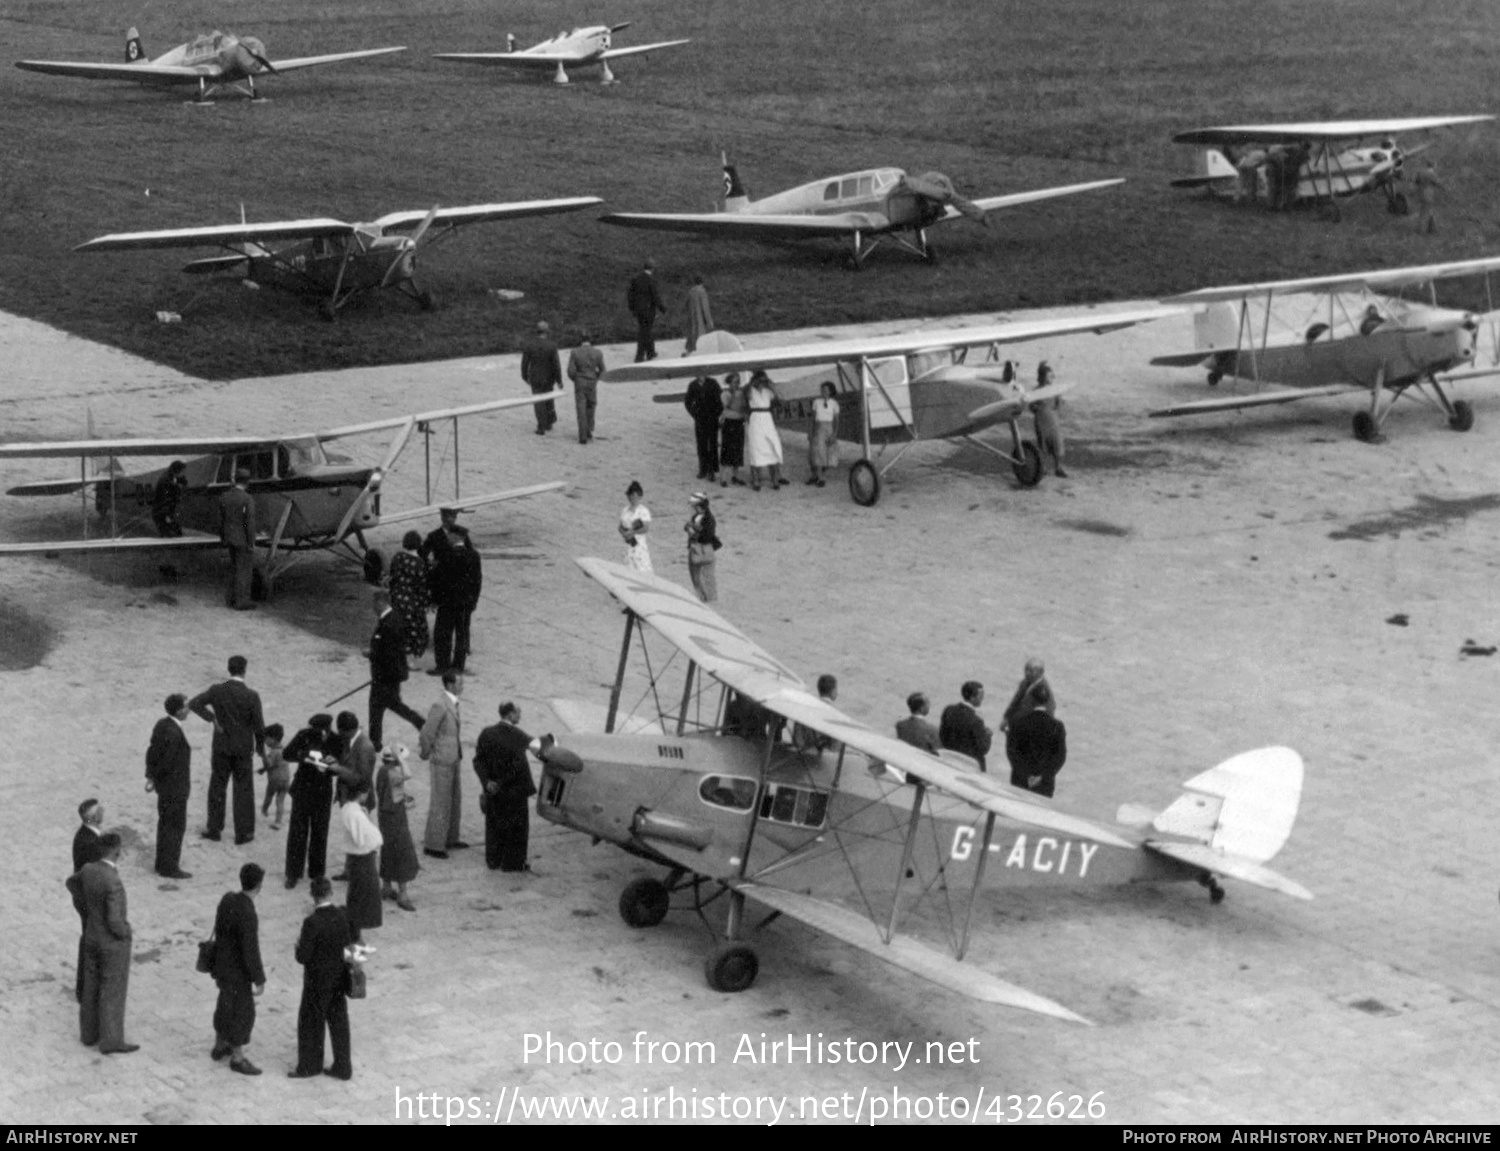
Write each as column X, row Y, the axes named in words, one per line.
column 372, row 485
column 256, row 50
column 409, row 250
column 937, row 187
column 613, row 28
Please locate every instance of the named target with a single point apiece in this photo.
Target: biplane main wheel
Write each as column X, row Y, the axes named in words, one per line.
column 374, row 566
column 1029, row 469
column 645, row 902
column 1463, row 416
column 427, row 300
column 1214, row 377
column 864, row 484
column 1399, row 205
column 1365, row 430
column 1215, row 893
column 733, row 967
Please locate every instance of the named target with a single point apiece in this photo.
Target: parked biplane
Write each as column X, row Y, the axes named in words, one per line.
column 580, row 48
column 306, row 497
column 868, row 835
column 215, row 62
column 1280, row 165
column 865, row 208
column 332, row 259
column 1332, row 335
column 900, row 389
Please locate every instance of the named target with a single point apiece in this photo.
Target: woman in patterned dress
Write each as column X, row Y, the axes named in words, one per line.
column 407, row 582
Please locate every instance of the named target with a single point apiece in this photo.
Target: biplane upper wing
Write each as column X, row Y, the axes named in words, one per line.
column 337, row 57
column 221, row 234
column 1256, row 400
column 141, row 73
column 727, row 654
column 200, row 445
column 875, row 347
column 1014, row 199
column 1379, row 280
column 1329, row 131
column 439, row 414
column 477, row 213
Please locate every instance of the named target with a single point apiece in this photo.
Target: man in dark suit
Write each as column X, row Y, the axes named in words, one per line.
column 962, row 729
column 86, row 850
column 239, row 735
column 356, row 765
column 456, row 579
column 915, row 729
column 312, row 793
column 1037, row 745
column 505, row 779
column 237, row 530
column 168, row 773
column 541, row 368
column 644, row 302
column 106, row 951
column 237, row 970
column 388, row 669
column 320, row 950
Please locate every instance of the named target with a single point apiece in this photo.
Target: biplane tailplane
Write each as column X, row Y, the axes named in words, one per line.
column 1244, row 807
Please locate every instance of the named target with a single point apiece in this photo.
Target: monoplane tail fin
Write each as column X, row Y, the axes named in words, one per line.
column 135, row 52
column 736, row 199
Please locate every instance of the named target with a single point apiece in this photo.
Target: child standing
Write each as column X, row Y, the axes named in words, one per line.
column 278, row 774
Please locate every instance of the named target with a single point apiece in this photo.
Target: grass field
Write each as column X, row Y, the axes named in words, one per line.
column 1002, row 95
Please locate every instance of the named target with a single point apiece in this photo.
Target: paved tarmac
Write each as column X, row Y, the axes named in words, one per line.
column 1197, row 589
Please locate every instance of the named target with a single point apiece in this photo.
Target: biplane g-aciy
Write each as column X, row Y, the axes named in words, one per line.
column 331, row 258
column 215, row 62
column 1332, row 335
column 307, row 498
column 865, row 208
column 857, row 834
column 580, row 48
column 1280, row 165
column 901, row 389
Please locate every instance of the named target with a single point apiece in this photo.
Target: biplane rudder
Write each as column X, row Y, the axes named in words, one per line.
column 1216, row 328
column 1245, row 806
column 135, row 51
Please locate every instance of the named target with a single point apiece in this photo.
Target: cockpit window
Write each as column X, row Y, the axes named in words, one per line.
column 848, row 188
column 728, row 791
column 832, row 191
column 798, row 806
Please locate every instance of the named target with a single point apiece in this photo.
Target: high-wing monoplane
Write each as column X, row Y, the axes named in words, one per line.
column 864, row 208
column 854, row 833
column 901, row 389
column 1333, row 335
column 580, row 48
column 306, row 497
column 1280, row 165
column 215, row 62
column 331, row 258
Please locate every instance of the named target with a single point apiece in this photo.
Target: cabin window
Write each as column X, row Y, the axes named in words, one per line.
column 866, row 184
column 298, row 457
column 225, row 474
column 728, row 791
column 798, row 806
column 832, row 191
column 552, row 796
column 260, row 465
column 850, row 188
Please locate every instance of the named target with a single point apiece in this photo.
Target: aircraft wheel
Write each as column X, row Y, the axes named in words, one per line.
column 1214, row 377
column 1463, row 416
column 1364, row 427
column 930, row 255
column 328, row 311
column 645, row 902
column 1399, row 205
column 374, row 565
column 733, row 967
column 105, row 495
column 427, row 300
column 864, row 484
column 1029, row 470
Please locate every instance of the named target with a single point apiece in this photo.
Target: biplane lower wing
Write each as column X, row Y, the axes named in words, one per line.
column 427, row 511
column 1256, row 400
column 904, row 952
column 185, row 543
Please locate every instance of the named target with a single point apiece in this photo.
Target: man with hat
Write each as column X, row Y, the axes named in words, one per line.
column 237, row 530
column 644, row 302
column 585, row 366
column 541, row 367
column 455, row 579
column 315, row 751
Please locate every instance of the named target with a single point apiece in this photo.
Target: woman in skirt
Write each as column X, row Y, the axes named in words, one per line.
column 362, row 842
column 732, row 432
column 398, row 855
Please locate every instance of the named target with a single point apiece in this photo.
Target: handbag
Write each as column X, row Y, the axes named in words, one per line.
column 207, row 952
column 354, row 980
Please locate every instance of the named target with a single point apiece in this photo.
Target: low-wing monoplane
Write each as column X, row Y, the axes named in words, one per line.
column 306, row 497
column 1280, row 165
column 580, row 48
column 855, row 833
column 864, row 208
column 901, row 389
column 1333, row 335
column 331, row 258
column 215, row 62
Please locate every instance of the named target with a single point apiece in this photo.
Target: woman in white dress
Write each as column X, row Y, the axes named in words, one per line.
column 635, row 522
column 762, row 440
column 822, row 443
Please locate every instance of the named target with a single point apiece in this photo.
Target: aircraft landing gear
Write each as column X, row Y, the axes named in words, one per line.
column 645, row 903
column 1215, row 891
column 1398, row 204
column 328, row 311
column 1366, row 431
column 732, row 967
column 1028, row 468
column 427, row 300
column 864, row 483
column 1214, row 378
column 1463, row 416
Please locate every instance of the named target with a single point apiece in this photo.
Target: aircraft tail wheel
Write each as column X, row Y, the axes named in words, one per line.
column 1364, row 427
column 1463, row 416
column 645, row 902
column 1029, row 470
column 374, row 564
column 427, row 300
column 864, row 484
column 733, row 967
column 1215, row 893
column 1399, row 205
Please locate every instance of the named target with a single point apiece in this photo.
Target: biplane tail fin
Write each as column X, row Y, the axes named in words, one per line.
column 135, row 51
column 1217, row 328
column 1213, row 166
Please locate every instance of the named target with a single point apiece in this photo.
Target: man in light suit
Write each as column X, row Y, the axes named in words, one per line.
column 388, row 669
column 169, row 774
column 239, row 735
column 439, row 745
column 86, row 850
column 106, row 951
column 962, row 729
column 237, row 529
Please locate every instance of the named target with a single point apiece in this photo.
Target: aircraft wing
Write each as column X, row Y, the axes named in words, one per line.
column 116, row 544
column 1381, row 279
column 1327, row 131
column 222, row 234
column 142, row 73
column 439, row 414
column 619, row 53
column 313, row 61
column 477, row 213
column 727, row 654
column 206, row 445
column 522, row 60
column 903, row 951
column 875, row 347
column 1257, row 400
column 468, row 503
column 751, row 225
column 1015, row 198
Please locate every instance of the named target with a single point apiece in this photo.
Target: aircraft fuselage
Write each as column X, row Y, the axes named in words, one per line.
column 873, row 192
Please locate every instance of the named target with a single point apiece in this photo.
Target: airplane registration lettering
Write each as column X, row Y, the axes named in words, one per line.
column 1044, row 857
